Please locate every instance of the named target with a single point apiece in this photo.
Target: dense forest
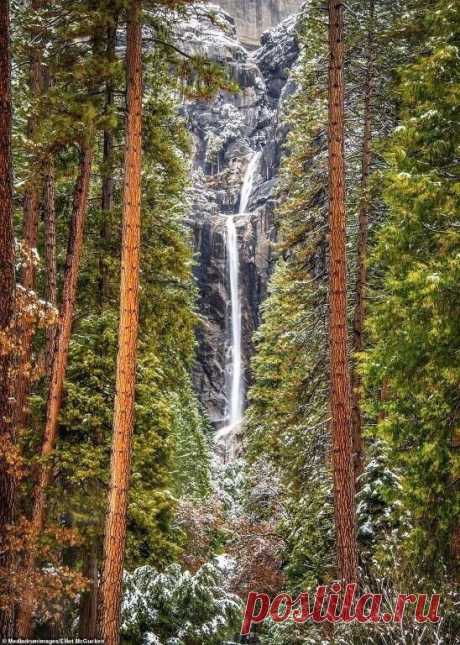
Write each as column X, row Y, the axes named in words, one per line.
column 140, row 502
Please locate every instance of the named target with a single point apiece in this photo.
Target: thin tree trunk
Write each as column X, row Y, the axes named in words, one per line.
column 30, row 233
column 50, row 260
column 7, row 307
column 66, row 314
column 58, row 369
column 87, row 624
column 344, row 501
column 363, row 222
column 107, row 174
column 31, row 198
column 107, row 206
column 115, row 530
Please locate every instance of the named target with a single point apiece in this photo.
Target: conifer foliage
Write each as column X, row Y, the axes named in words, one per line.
column 414, row 314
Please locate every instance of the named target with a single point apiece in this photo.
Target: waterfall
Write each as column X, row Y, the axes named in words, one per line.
column 236, row 393
column 236, row 407
column 248, row 182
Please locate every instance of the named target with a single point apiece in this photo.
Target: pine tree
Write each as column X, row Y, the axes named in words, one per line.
column 66, row 118
column 58, row 369
column 178, row 606
column 30, row 226
column 73, row 108
column 123, row 424
column 287, row 418
column 339, row 370
column 7, row 307
column 414, row 328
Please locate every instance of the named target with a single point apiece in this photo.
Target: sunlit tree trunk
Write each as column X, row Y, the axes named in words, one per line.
column 58, row 369
column 66, row 314
column 344, row 501
column 115, row 529
column 7, row 300
column 361, row 271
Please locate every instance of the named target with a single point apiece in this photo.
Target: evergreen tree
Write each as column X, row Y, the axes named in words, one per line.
column 123, row 423
column 340, row 397
column 7, row 307
column 58, row 369
column 413, row 322
column 287, row 418
column 30, row 225
column 78, row 66
column 178, row 607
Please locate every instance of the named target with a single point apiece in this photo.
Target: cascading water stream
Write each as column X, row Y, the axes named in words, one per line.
column 236, row 393
column 248, row 183
column 235, row 411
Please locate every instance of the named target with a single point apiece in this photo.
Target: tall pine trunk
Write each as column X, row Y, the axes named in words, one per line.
column 363, row 222
column 123, row 424
column 7, row 307
column 30, row 234
column 58, row 370
column 340, row 397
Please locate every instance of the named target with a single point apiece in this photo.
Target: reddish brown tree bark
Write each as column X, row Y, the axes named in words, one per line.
column 340, row 396
column 7, row 310
column 74, row 250
column 123, row 424
column 363, row 223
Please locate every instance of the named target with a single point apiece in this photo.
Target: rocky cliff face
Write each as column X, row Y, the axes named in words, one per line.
column 253, row 17
column 227, row 133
